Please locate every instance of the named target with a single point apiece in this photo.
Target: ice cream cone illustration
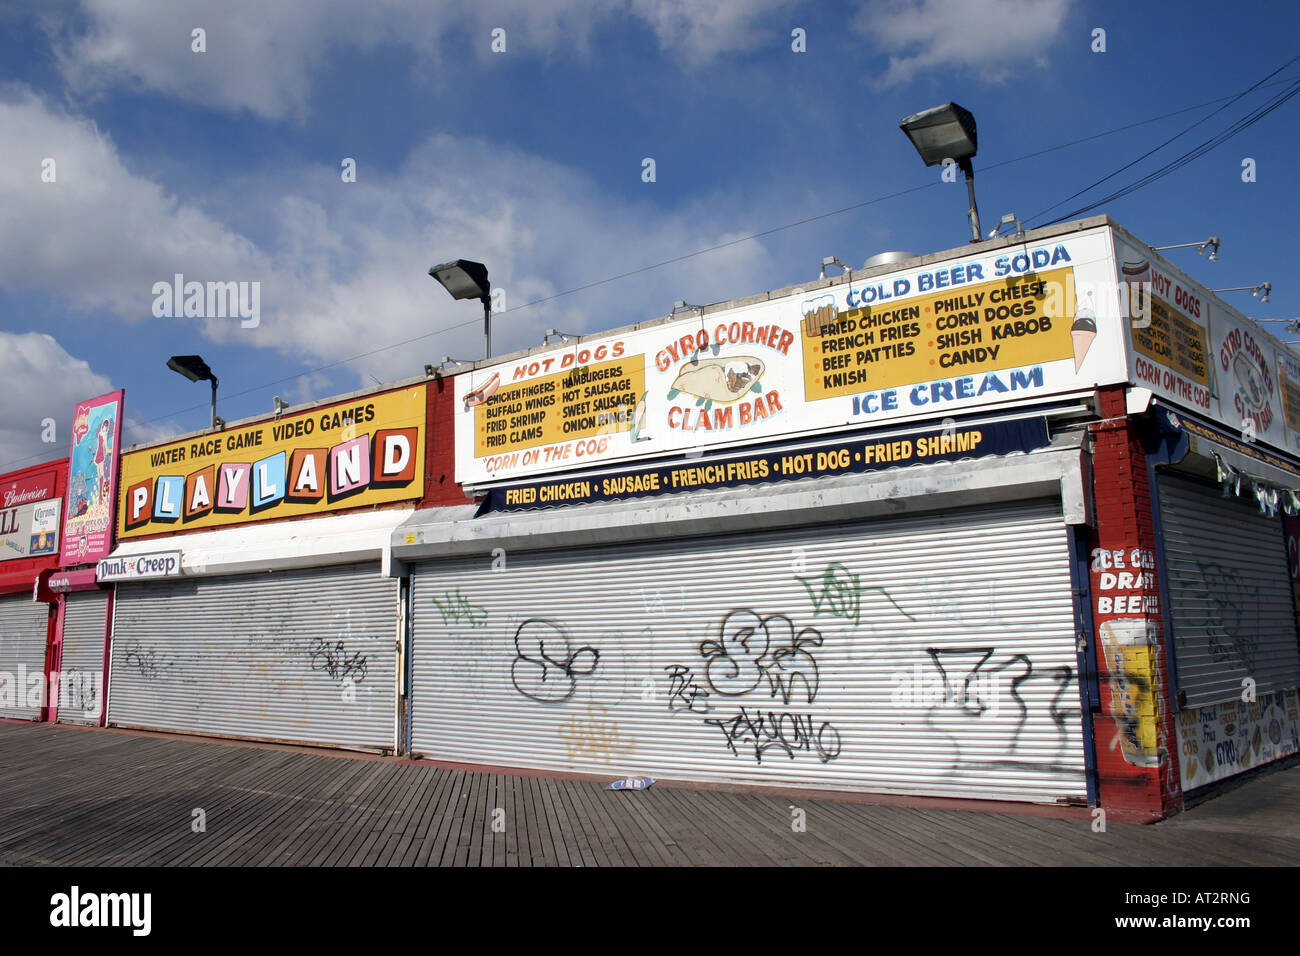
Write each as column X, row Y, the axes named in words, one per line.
column 1083, row 331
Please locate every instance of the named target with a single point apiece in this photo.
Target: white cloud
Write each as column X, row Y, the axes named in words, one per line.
column 98, row 235
column 344, row 272
column 708, row 28
column 41, row 381
column 262, row 56
column 990, row 37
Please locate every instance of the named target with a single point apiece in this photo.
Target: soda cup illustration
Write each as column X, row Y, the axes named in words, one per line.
column 1129, row 645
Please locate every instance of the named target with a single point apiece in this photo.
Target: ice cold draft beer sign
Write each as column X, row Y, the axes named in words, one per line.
column 1019, row 323
column 345, row 455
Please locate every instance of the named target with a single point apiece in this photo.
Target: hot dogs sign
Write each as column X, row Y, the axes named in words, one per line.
column 1190, row 348
column 344, row 455
column 1019, row 323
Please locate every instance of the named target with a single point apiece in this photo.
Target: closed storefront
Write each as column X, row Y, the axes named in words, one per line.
column 1230, row 601
column 306, row 656
column 932, row 654
column 1232, row 618
column 24, row 633
column 255, row 597
column 31, row 516
column 81, row 668
column 851, row 633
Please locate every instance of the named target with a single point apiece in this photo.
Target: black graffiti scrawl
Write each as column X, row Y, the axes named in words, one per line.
column 750, row 649
column 546, row 668
column 758, row 657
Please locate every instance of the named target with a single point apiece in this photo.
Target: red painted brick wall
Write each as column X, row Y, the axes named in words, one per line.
column 440, row 486
column 1136, row 743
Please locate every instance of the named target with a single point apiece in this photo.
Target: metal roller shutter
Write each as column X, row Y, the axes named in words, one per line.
column 1230, row 599
column 81, row 678
column 301, row 656
column 921, row 655
column 24, row 633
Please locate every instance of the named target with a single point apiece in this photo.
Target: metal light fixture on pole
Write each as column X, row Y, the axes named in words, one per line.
column 1209, row 248
column 947, row 132
column 466, row 279
column 1260, row 291
column 196, row 370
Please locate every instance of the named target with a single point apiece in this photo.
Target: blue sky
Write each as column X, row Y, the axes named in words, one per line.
column 224, row 165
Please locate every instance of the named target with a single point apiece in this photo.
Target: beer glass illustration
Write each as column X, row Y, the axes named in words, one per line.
column 1129, row 645
column 819, row 313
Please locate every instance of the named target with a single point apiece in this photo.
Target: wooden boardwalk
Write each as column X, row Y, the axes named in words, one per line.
column 73, row 796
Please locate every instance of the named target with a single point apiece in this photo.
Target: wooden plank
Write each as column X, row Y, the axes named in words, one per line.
column 687, row 831
column 418, row 785
column 320, row 791
column 247, row 816
column 426, row 822
column 323, row 824
column 573, row 823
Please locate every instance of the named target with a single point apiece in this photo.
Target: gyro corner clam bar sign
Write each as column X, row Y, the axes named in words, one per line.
column 344, row 455
column 1019, row 322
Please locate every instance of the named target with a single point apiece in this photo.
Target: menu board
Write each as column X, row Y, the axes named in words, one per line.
column 1193, row 349
column 1014, row 324
column 577, row 403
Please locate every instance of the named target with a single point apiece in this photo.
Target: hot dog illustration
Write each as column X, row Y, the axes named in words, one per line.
column 720, row 379
column 479, row 396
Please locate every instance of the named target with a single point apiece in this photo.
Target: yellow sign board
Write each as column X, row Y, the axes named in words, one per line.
column 346, row 455
column 577, row 403
column 1174, row 341
column 966, row 330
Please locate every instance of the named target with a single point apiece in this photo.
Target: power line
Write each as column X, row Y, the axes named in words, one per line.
column 1230, row 100
column 714, row 248
column 1192, row 154
column 700, row 252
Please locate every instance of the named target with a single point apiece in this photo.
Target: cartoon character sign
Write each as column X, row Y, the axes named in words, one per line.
column 92, row 479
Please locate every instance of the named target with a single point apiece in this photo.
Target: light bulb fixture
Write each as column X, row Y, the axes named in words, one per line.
column 466, row 279
column 681, row 305
column 1010, row 219
column 556, row 334
column 947, row 134
column 1209, row 248
column 833, row 261
column 1260, row 291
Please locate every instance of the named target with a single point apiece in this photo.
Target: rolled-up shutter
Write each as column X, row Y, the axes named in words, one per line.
column 81, row 670
column 24, row 633
column 928, row 655
column 304, row 656
column 1230, row 600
